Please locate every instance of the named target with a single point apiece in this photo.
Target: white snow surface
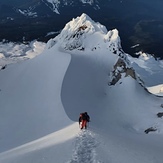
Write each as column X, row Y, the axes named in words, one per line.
column 13, row 52
column 41, row 99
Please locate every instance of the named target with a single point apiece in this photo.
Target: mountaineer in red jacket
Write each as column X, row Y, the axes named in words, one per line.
column 83, row 119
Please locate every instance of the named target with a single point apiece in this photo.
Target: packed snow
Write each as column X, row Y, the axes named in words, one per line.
column 42, row 97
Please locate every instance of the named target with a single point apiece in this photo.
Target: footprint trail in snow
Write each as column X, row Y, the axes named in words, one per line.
column 85, row 146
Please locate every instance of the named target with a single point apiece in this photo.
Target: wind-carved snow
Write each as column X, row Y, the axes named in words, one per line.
column 85, row 148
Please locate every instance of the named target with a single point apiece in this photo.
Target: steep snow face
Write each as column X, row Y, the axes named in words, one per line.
column 83, row 34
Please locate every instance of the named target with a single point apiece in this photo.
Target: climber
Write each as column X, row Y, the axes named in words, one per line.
column 83, row 119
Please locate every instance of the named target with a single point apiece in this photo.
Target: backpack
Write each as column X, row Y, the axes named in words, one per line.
column 85, row 117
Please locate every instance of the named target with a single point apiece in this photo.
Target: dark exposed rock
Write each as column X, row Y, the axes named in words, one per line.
column 82, row 28
column 3, row 67
column 151, row 129
column 160, row 114
column 119, row 68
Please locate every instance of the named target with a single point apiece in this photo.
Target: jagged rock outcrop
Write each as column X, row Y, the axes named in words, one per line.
column 82, row 33
column 151, row 129
column 160, row 115
column 121, row 69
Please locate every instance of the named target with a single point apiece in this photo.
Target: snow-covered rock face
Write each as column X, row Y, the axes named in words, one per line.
column 120, row 69
column 84, row 34
column 77, row 31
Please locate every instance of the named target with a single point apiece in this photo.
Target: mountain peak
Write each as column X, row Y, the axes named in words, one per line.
column 84, row 17
column 84, row 21
column 82, row 33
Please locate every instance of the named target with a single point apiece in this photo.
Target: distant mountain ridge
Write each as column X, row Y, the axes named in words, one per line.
column 138, row 22
column 32, row 7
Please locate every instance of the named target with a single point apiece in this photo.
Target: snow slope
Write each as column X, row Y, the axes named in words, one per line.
column 41, row 98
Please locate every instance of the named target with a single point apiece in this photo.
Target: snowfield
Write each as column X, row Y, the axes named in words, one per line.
column 82, row 69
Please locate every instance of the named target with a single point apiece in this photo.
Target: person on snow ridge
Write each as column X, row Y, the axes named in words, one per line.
column 83, row 119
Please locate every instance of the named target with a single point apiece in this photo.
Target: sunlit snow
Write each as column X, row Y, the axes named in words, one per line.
column 41, row 99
